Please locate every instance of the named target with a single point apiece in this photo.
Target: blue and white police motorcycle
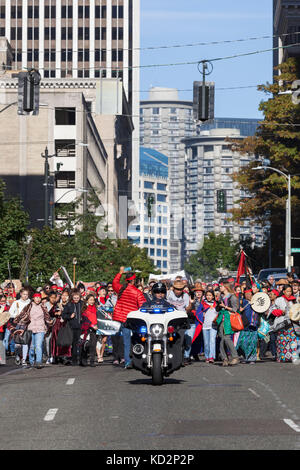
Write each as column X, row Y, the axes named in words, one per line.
column 157, row 340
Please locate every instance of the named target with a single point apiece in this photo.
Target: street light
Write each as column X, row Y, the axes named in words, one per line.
column 288, row 225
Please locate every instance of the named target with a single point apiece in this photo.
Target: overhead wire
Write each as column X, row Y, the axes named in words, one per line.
column 174, row 64
column 183, row 45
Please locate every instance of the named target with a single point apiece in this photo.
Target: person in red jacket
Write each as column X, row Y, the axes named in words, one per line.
column 89, row 327
column 129, row 300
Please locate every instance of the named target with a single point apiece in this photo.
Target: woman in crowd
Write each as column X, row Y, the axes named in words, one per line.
column 224, row 327
column 106, row 305
column 36, row 319
column 197, row 296
column 15, row 309
column 89, row 327
column 248, row 338
column 286, row 340
column 59, row 353
column 72, row 314
column 51, row 306
column 3, row 308
column 209, row 331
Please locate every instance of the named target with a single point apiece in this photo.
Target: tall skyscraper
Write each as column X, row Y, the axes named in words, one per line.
column 78, row 39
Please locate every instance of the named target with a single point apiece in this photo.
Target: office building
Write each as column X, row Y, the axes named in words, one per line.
column 209, row 165
column 164, row 122
column 286, row 30
column 79, row 39
column 151, row 228
column 89, row 151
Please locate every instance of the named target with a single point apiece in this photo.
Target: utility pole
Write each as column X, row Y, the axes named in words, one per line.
column 46, row 156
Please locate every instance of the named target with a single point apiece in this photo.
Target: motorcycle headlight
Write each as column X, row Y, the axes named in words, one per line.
column 157, row 330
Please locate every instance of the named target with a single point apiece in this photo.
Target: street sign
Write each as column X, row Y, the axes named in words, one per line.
column 295, row 250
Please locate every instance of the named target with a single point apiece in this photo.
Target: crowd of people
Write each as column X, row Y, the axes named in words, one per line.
column 55, row 324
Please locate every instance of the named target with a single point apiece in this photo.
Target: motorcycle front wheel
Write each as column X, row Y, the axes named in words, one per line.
column 157, row 374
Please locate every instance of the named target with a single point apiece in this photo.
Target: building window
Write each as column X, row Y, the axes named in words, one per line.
column 117, row 33
column 161, row 187
column 117, row 11
column 151, row 251
column 100, row 12
column 65, row 179
column 83, row 11
column 155, row 110
column 50, row 11
column 65, row 116
column 148, row 185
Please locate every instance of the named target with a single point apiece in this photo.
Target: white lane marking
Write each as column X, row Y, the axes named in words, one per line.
column 50, row 415
column 254, row 392
column 229, row 373
column 70, row 381
column 204, row 378
column 292, row 425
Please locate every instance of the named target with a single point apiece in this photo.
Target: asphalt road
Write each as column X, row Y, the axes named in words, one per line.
column 199, row 407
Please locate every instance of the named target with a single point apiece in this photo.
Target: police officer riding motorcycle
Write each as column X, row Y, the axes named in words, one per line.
column 157, row 336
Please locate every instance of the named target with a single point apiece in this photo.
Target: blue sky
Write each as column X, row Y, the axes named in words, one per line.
column 168, row 22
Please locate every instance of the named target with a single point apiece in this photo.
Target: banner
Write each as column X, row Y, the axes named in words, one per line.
column 168, row 277
column 68, row 279
column 107, row 327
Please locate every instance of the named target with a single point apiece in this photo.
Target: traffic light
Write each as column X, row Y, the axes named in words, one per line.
column 203, row 101
column 28, row 92
column 150, row 202
column 221, row 201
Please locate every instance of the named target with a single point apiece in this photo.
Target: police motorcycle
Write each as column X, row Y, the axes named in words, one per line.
column 157, row 342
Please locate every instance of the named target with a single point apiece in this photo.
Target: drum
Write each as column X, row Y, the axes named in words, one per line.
column 260, row 302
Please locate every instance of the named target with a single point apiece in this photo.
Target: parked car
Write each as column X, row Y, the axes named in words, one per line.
column 277, row 273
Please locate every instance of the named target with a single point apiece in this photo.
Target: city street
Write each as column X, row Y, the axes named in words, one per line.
column 200, row 407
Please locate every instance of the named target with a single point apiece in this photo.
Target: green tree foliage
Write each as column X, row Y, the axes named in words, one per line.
column 277, row 141
column 76, row 237
column 13, row 228
column 218, row 251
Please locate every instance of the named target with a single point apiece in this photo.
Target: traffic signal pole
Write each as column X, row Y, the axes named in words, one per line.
column 204, row 66
column 46, row 156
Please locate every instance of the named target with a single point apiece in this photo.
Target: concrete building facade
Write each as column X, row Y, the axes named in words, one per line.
column 286, row 30
column 85, row 39
column 209, row 165
column 70, row 129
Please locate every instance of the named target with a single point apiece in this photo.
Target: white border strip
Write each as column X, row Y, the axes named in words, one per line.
column 70, row 381
column 50, row 415
column 292, row 425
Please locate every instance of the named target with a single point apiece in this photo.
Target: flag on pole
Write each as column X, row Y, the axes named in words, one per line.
column 243, row 268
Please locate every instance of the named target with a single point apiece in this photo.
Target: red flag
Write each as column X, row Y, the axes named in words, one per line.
column 241, row 268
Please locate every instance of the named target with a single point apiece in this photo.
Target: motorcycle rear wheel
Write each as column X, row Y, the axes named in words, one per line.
column 157, row 373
